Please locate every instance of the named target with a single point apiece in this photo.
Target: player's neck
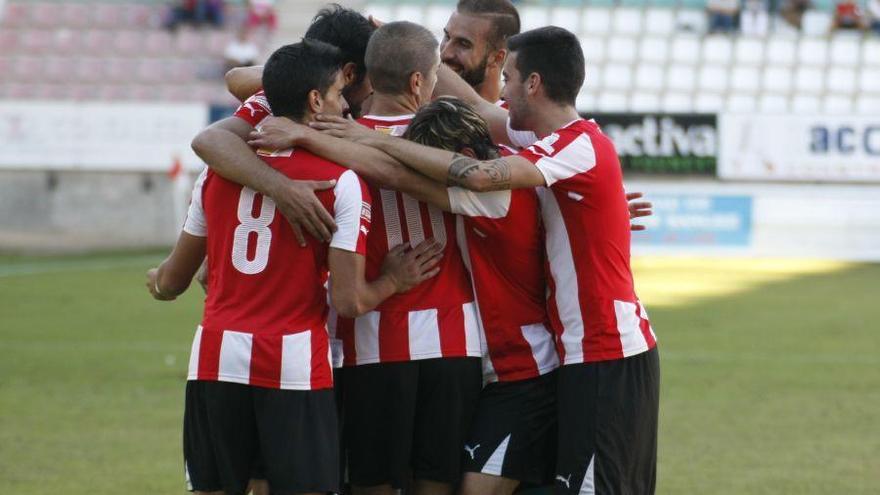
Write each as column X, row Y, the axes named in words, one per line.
column 386, row 105
column 550, row 116
column 490, row 88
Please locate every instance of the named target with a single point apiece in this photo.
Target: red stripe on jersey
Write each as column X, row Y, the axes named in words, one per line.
column 393, row 336
column 322, row 375
column 452, row 334
column 266, row 360
column 209, row 355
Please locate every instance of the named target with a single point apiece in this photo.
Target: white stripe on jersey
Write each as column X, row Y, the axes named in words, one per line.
column 540, row 339
column 393, row 230
column 347, row 209
column 575, row 158
column 424, row 333
column 296, row 360
column 489, row 374
column 631, row 339
column 472, row 328
column 413, row 220
column 564, row 275
column 365, row 343
column 235, row 357
column 193, row 372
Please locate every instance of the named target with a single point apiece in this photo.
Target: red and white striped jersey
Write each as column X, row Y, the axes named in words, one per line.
column 501, row 239
column 254, row 109
column 264, row 322
column 435, row 319
column 586, row 220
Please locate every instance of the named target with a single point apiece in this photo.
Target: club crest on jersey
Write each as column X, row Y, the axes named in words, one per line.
column 366, row 211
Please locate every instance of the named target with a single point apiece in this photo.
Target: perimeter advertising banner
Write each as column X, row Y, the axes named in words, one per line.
column 690, row 219
column 99, row 136
column 800, row 148
column 663, row 143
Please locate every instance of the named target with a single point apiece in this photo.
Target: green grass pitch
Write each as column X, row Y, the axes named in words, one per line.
column 771, row 376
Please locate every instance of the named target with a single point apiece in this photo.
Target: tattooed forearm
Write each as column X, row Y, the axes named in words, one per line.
column 459, row 169
column 474, row 174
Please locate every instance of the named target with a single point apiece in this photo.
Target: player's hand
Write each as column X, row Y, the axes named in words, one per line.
column 341, row 127
column 638, row 209
column 297, row 201
column 408, row 267
column 153, row 286
column 278, row 133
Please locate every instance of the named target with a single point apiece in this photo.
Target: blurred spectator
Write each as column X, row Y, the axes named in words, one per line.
column 262, row 12
column 847, row 15
column 195, row 13
column 722, row 15
column 754, row 19
column 793, row 11
column 874, row 15
column 241, row 51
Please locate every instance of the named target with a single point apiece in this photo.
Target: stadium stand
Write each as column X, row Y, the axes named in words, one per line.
column 656, row 56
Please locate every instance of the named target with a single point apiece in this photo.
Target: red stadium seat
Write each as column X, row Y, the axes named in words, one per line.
column 76, row 14
column 98, row 41
column 107, row 15
column 90, row 69
column 15, row 15
column 128, row 43
column 157, row 43
column 45, row 15
column 8, row 41
column 67, row 41
column 188, row 42
column 26, row 68
column 35, row 41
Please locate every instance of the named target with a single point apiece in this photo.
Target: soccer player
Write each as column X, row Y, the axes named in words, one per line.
column 222, row 145
column 259, row 382
column 609, row 382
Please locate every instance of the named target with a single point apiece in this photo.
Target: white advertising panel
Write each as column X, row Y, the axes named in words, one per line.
column 99, row 136
column 834, row 148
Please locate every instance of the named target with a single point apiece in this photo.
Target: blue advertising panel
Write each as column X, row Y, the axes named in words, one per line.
column 698, row 220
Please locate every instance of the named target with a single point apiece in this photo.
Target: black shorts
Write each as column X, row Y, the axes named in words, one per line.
column 514, row 431
column 232, row 430
column 608, row 426
column 409, row 420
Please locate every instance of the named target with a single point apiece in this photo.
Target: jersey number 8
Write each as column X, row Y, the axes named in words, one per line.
column 249, row 224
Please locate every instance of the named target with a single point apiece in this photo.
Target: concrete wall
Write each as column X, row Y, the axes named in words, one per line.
column 77, row 211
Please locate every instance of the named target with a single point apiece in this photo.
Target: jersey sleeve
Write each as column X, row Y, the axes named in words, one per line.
column 195, row 217
column 352, row 212
column 254, row 109
column 520, row 139
column 561, row 155
column 492, row 204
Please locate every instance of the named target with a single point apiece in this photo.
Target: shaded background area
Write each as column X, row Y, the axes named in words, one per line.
column 770, row 375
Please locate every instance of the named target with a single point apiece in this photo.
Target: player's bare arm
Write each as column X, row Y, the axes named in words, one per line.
column 173, row 276
column 370, row 163
column 450, row 83
column 454, row 169
column 402, row 269
column 223, row 147
column 243, row 82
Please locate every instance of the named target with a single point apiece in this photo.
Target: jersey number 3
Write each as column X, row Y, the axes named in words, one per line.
column 248, row 225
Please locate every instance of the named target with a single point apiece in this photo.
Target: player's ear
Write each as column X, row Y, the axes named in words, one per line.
column 349, row 73
column 415, row 83
column 497, row 58
column 316, row 102
column 533, row 83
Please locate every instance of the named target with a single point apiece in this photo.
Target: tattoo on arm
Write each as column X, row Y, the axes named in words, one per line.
column 497, row 171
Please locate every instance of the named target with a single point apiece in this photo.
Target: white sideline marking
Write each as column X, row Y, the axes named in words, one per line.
column 58, row 266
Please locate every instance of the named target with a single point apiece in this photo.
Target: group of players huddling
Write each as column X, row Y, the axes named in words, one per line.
column 461, row 315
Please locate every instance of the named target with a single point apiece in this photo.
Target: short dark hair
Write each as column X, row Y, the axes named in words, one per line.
column 396, row 50
column 345, row 29
column 294, row 70
column 451, row 124
column 556, row 55
column 502, row 14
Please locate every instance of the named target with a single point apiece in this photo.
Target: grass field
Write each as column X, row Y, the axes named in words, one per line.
column 771, row 376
